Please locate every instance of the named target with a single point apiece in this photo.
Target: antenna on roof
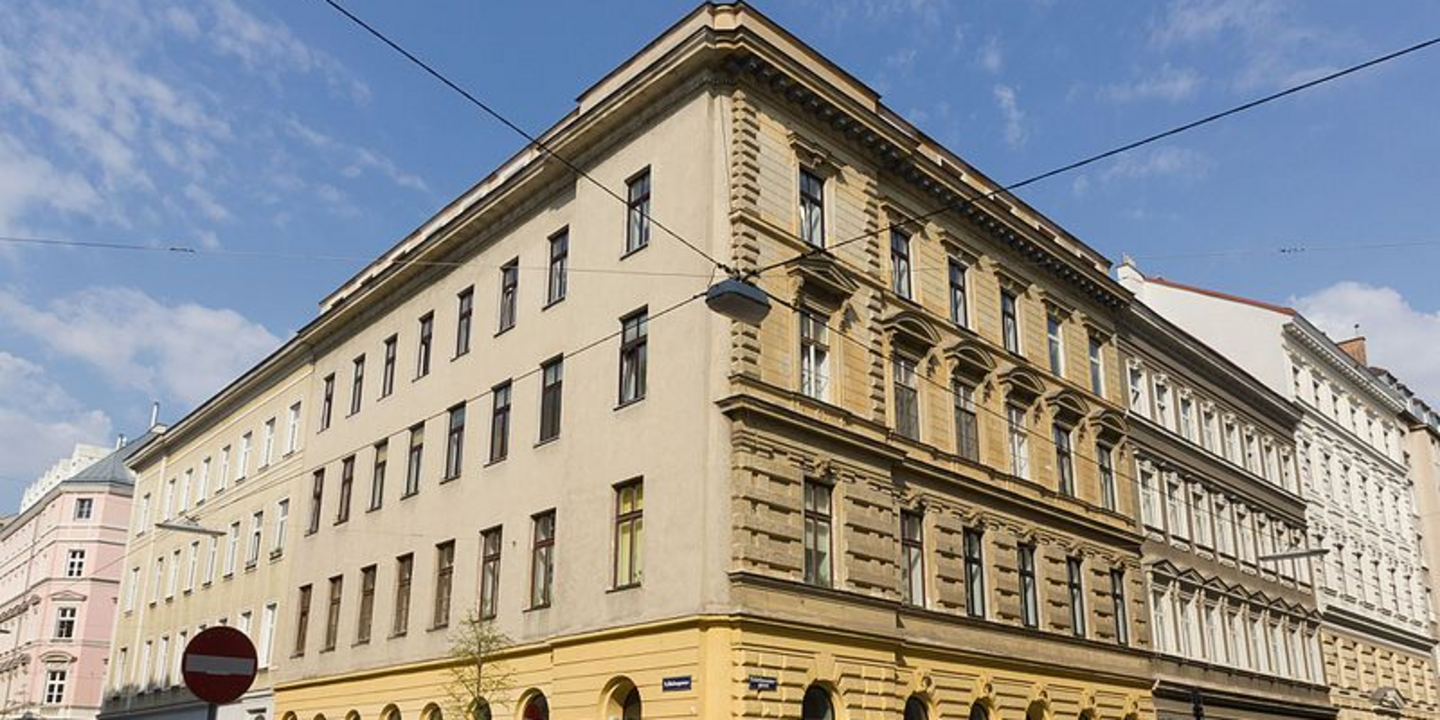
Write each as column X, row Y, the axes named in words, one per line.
column 154, row 413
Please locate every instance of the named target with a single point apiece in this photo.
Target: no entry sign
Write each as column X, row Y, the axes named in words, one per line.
column 219, row 665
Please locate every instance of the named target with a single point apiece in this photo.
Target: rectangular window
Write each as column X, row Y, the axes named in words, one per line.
column 1122, row 615
column 201, row 486
column 302, row 619
column 509, row 293
column 1105, row 461
column 332, row 613
column 1010, row 322
column 75, row 564
column 414, row 460
column 232, row 548
column 268, row 619
column 490, row 572
column 65, row 622
column 1076, row 584
column 967, row 423
column 157, row 579
column 423, row 348
column 912, row 564
column 974, row 573
column 347, row 489
column 173, row 583
column 242, row 463
column 1029, row 587
column 366, row 617
column 629, row 534
column 1019, row 441
column 132, row 588
column 1187, row 418
column 959, row 303
column 444, row 583
column 900, row 264
column 292, row 442
column 282, row 524
column 1055, row 340
column 357, row 384
column 466, row 302
column 327, row 408
column 317, row 497
column 558, row 278
column 55, row 687
column 817, row 534
column 267, row 455
column 257, row 533
column 212, row 557
column 387, row 373
column 404, row 575
column 907, row 398
column 1149, row 498
column 814, row 355
column 542, row 560
column 455, row 443
column 552, row 379
column 500, row 422
column 377, row 475
column 637, row 212
column 634, row 337
column 1097, row 366
column 1064, row 460
column 812, row 209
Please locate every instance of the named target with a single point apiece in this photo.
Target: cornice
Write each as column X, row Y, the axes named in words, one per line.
column 1314, row 340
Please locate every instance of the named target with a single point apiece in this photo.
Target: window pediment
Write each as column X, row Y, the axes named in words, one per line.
column 1022, row 385
column 1108, row 425
column 822, row 279
column 814, row 155
column 1067, row 406
column 972, row 360
column 57, row 657
column 911, row 330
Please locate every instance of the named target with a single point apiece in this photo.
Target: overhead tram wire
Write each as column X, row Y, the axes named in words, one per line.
column 1213, row 117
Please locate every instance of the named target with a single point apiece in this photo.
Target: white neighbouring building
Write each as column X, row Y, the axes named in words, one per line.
column 1372, row 589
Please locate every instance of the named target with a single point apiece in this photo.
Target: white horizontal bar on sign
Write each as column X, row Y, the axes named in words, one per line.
column 219, row 665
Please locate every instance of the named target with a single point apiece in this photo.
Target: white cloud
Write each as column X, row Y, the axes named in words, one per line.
column 1165, row 161
column 29, row 182
column 206, row 203
column 1168, row 83
column 1273, row 47
column 39, row 421
column 1399, row 337
column 355, row 160
column 990, row 56
column 263, row 46
column 185, row 350
column 1006, row 100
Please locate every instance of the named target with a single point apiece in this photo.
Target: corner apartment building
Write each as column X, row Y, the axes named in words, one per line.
column 208, row 540
column 1376, row 637
column 59, row 577
column 1235, row 635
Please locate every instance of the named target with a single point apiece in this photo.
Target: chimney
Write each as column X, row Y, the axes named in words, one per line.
column 120, row 441
column 155, row 413
column 1355, row 348
column 1129, row 275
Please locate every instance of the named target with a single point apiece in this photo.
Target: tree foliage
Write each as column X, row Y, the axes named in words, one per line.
column 477, row 674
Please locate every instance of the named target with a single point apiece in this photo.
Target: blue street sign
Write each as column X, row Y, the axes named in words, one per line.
column 675, row 684
column 763, row 682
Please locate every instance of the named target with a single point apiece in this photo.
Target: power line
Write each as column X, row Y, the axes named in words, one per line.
column 533, row 140
column 962, row 204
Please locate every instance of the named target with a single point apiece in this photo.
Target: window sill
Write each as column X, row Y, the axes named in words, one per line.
column 547, row 441
column 397, row 635
column 537, row 608
column 437, row 628
column 459, row 355
column 360, row 643
column 340, row 521
column 629, row 403
column 276, row 555
column 494, row 461
column 552, row 303
column 623, row 588
column 634, row 250
column 503, row 330
column 449, row 479
column 409, row 495
column 373, row 508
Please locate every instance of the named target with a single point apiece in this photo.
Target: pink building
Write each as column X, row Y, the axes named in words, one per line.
column 60, row 566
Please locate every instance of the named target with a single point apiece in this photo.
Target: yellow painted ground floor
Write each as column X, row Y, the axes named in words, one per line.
column 1373, row 680
column 738, row 667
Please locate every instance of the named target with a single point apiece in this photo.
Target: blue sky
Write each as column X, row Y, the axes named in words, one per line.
column 275, row 126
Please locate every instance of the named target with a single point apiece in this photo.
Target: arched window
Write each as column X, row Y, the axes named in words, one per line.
column 915, row 709
column 630, row 706
column 432, row 712
column 816, row 705
column 622, row 700
column 536, row 708
column 482, row 711
column 978, row 712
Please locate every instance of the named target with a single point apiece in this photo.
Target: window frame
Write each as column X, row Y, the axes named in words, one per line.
column 819, row 562
column 973, row 553
column 414, row 460
column 1061, row 437
column 378, row 467
column 302, row 618
column 634, row 356
column 1075, row 586
column 357, row 383
column 455, row 442
column 404, row 590
column 811, row 207
column 347, row 488
column 492, row 546
column 627, row 569
column 912, row 564
column 1055, row 343
column 958, row 277
column 542, row 560
column 425, row 345
column 365, row 614
column 814, row 332
column 509, row 306
column 902, row 280
column 552, row 397
column 387, row 370
column 444, row 584
column 905, row 390
column 464, row 320
column 1029, row 585
column 1010, row 332
column 639, row 191
column 966, row 419
column 557, row 276
column 500, row 411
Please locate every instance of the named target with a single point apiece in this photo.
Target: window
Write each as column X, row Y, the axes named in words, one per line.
column 1055, row 340
column 959, row 304
column 292, row 443
column 84, row 508
column 542, row 559
column 629, row 534
column 552, row 379
column 173, row 582
column 1064, row 460
column 232, row 548
column 347, row 486
column 211, row 559
column 912, row 565
column 1019, row 441
column 500, row 422
column 332, row 613
column 427, row 338
column 559, row 267
column 974, row 573
column 444, row 583
column 366, row 617
column 169, row 501
column 1075, row 582
column 257, row 532
column 466, row 302
column 1105, row 460
column 327, row 407
column 1029, row 587
column 302, row 619
column 282, row 524
column 490, row 545
column 65, row 622
column 377, row 475
column 637, row 211
column 1187, row 418
column 357, row 383
column 157, row 579
column 317, row 496
column 55, row 687
column 967, row 424
column 1097, row 366
column 414, row 460
column 404, row 575
column 816, row 705
column 204, row 481
column 225, row 466
column 162, row 664
column 634, row 335
column 242, row 464
column 817, row 533
column 1122, row 615
column 509, row 293
column 915, row 709
column 812, row 209
column 1009, row 322
column 132, row 588
column 268, row 619
column 387, row 373
column 455, row 443
column 1177, row 510
column 907, row 400
column 814, row 354
column 75, row 564
column 900, row 264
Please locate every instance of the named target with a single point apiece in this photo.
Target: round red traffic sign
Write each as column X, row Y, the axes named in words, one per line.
column 219, row 665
